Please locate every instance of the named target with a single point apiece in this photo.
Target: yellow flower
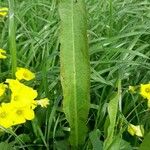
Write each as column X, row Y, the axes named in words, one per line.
column 43, row 102
column 23, row 73
column 136, row 130
column 21, row 94
column 14, row 85
column 145, row 91
column 2, row 88
column 21, row 114
column 2, row 54
column 11, row 114
column 6, row 115
column 3, row 11
column 19, row 88
column 22, row 100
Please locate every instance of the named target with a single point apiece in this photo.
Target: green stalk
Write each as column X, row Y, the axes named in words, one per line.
column 12, row 37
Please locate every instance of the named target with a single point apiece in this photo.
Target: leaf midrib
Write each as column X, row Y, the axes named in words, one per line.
column 74, row 72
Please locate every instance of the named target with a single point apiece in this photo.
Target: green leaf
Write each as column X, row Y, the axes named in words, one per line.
column 12, row 37
column 95, row 140
column 125, row 145
column 119, row 144
column 23, row 137
column 112, row 113
column 5, row 146
column 75, row 68
column 61, row 145
column 146, row 144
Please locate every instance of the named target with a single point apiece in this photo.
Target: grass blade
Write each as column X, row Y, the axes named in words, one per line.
column 12, row 37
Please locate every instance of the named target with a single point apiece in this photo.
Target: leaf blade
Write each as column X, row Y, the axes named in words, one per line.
column 75, row 68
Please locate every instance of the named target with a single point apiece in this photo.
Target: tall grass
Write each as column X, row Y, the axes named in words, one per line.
column 118, row 33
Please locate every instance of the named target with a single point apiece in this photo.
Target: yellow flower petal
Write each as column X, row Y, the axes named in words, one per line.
column 3, row 11
column 6, row 115
column 21, row 114
column 136, row 130
column 145, row 90
column 2, row 88
column 131, row 129
column 23, row 73
column 29, row 114
column 2, row 54
column 22, row 95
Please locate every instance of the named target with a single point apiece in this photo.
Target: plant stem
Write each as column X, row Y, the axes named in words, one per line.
column 12, row 37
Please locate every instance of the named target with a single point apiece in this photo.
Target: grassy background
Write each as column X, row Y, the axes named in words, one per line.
column 118, row 32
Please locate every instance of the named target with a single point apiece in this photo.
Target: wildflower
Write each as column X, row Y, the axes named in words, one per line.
column 14, row 85
column 136, row 130
column 145, row 91
column 19, row 88
column 132, row 89
column 6, row 115
column 21, row 114
column 22, row 104
column 2, row 88
column 23, row 73
column 2, row 54
column 21, row 94
column 3, row 11
column 22, row 100
column 43, row 102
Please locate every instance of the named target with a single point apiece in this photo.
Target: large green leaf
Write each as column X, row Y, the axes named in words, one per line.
column 75, row 68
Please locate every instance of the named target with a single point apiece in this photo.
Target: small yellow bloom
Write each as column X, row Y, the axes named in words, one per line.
column 14, row 85
column 12, row 114
column 3, row 11
column 2, row 88
column 21, row 114
column 22, row 100
column 19, row 88
column 136, row 130
column 43, row 102
column 2, row 54
column 23, row 73
column 21, row 94
column 145, row 91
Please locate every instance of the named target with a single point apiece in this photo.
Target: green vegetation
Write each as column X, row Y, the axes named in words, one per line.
column 49, row 38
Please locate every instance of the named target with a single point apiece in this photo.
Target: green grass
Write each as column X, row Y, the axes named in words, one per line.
column 118, row 33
